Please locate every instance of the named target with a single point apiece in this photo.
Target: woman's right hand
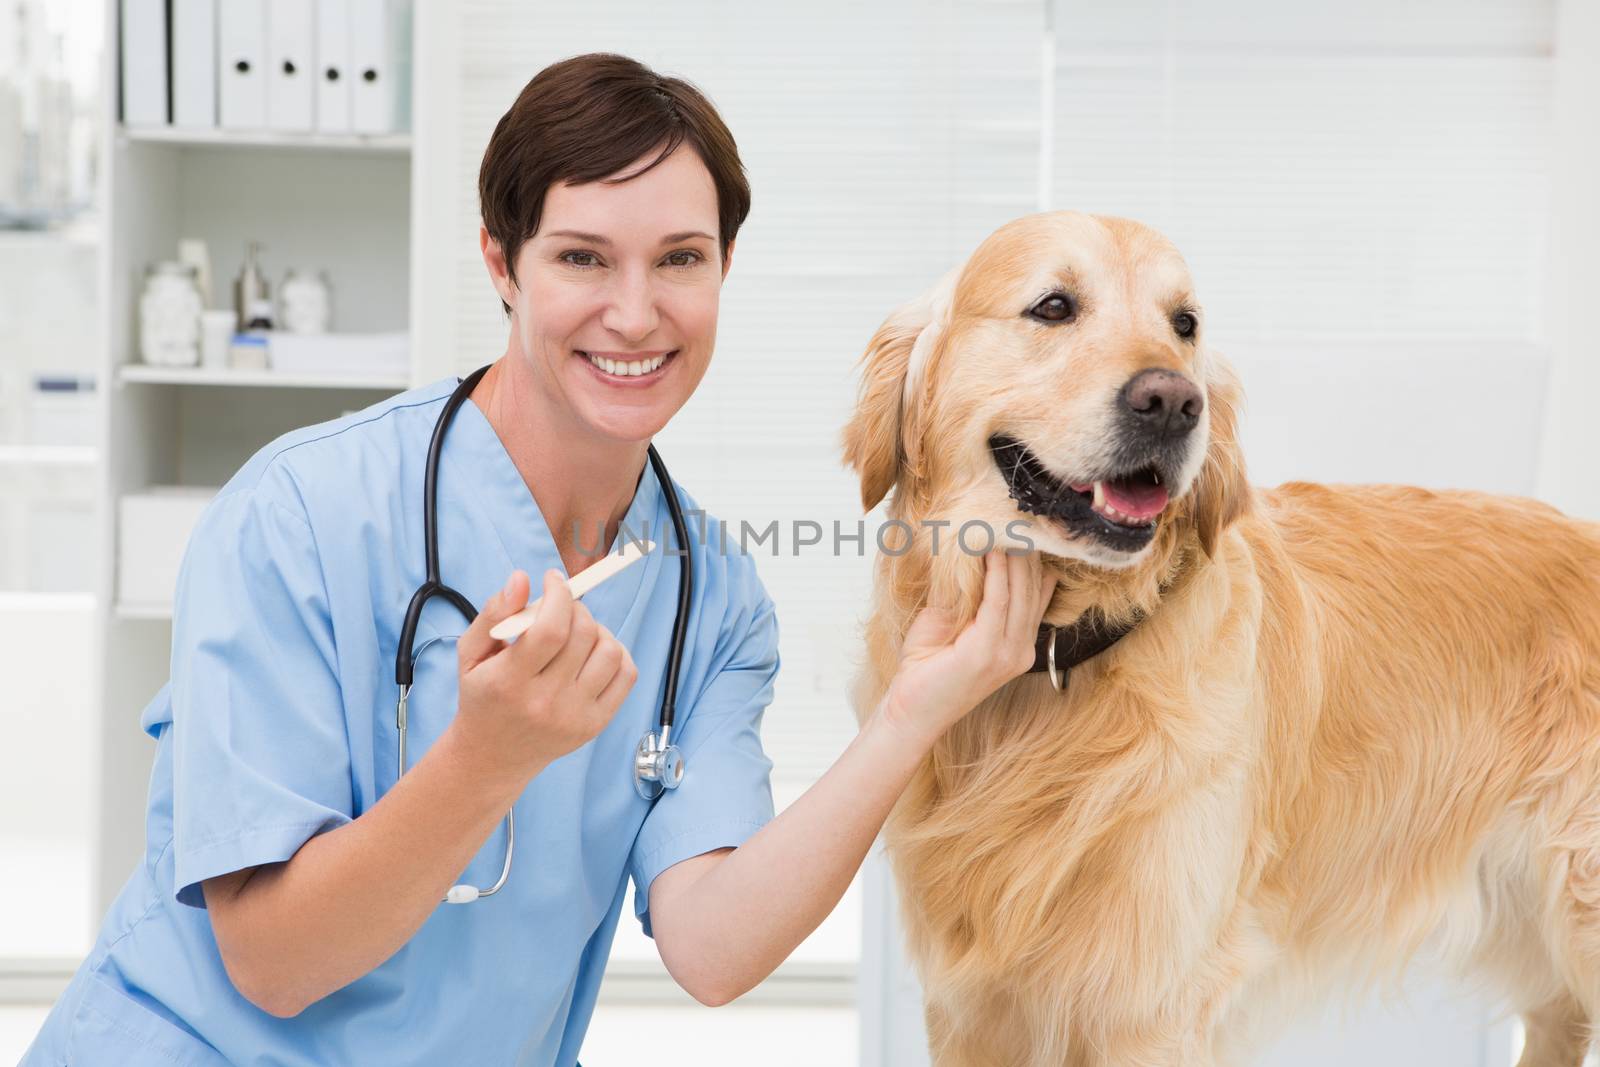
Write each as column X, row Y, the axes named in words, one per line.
column 945, row 671
column 525, row 703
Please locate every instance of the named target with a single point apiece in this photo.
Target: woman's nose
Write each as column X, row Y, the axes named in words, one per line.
column 631, row 312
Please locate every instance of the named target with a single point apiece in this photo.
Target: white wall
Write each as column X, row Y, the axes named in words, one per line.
column 1572, row 444
column 1363, row 191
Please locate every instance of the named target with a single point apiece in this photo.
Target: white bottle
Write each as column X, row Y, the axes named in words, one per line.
column 304, row 302
column 169, row 316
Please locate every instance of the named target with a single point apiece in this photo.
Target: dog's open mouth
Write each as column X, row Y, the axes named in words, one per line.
column 1120, row 511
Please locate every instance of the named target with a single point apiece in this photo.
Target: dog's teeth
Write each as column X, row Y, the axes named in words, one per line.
column 1099, row 496
column 1158, row 477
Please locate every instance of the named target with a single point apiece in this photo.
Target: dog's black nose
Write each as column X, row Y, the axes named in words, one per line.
column 1163, row 402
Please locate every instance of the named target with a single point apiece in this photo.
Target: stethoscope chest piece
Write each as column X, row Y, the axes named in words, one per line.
column 657, row 765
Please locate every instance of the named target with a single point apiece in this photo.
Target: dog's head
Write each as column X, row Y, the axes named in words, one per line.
column 1061, row 373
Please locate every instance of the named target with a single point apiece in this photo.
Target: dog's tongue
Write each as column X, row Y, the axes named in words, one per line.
column 1136, row 499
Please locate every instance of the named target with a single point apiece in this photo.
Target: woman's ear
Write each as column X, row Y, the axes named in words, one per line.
column 877, row 440
column 1222, row 491
column 494, row 258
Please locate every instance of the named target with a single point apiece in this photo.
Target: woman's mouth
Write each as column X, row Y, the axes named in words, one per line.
column 628, row 369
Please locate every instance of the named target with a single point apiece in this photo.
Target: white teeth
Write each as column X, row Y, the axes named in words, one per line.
column 1112, row 513
column 626, row 368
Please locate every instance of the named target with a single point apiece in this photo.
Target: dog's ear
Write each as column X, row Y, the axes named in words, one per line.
column 872, row 437
column 881, row 440
column 1222, row 491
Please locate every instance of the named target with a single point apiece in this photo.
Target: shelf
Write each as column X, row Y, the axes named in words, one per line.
column 125, row 610
column 34, row 980
column 28, row 600
column 83, row 230
column 390, row 143
column 49, row 455
column 144, row 373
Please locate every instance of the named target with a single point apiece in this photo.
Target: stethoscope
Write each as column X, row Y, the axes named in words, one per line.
column 657, row 763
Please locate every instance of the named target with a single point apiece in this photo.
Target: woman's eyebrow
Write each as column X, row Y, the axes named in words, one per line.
column 591, row 238
column 598, row 239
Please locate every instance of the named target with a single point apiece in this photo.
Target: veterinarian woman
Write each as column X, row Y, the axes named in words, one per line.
column 290, row 906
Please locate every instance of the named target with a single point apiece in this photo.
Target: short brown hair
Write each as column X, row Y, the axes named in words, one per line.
column 584, row 119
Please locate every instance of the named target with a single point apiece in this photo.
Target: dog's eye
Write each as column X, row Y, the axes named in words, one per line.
column 1057, row 307
column 1185, row 323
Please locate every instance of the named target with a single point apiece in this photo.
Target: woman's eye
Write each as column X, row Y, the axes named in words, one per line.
column 1057, row 307
column 683, row 259
column 580, row 259
column 1185, row 323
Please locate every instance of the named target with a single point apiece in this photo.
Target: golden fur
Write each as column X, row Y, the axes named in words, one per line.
column 1362, row 722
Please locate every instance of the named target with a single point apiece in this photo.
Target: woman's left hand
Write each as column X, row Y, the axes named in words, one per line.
column 944, row 674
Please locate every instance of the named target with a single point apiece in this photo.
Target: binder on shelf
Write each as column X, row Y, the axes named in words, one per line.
column 241, row 59
column 291, row 66
column 372, row 86
column 333, row 66
column 400, row 47
column 145, row 95
column 194, row 63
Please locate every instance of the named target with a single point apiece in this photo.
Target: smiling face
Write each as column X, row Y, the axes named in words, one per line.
column 614, row 307
column 1059, row 376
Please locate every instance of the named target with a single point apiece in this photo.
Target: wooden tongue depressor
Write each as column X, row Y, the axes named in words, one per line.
column 579, row 584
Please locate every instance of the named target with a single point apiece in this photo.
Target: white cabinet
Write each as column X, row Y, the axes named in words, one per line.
column 340, row 203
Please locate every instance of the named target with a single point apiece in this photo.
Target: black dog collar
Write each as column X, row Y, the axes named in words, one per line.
column 1058, row 649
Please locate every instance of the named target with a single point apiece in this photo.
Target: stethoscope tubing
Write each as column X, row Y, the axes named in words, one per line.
column 433, row 585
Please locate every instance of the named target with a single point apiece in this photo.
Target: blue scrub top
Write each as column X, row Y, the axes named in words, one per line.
column 278, row 724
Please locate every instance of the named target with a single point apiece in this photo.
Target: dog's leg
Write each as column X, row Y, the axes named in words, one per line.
column 1558, row 1034
column 989, row 1031
column 950, row 1045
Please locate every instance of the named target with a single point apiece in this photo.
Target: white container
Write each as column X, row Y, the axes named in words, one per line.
column 193, row 251
column 305, row 304
column 354, row 355
column 169, row 316
column 216, row 331
column 153, row 528
column 61, row 412
column 248, row 351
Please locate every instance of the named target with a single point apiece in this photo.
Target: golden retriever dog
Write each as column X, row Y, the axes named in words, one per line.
column 1348, row 727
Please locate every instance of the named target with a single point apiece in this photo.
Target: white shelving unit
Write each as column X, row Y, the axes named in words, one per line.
column 266, row 378
column 314, row 142
column 48, row 455
column 342, row 204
